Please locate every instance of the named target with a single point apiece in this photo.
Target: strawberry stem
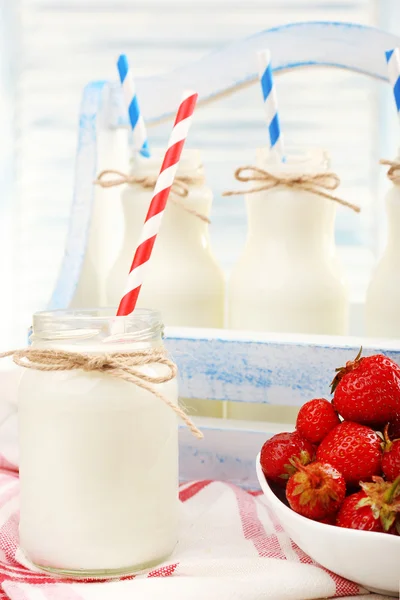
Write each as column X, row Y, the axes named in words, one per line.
column 392, row 491
column 350, row 365
column 387, row 444
column 295, row 461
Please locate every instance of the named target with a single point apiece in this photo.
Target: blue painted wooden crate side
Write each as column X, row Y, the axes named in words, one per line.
column 262, row 368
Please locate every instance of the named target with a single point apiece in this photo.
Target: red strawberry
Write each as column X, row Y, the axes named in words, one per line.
column 315, row 420
column 329, row 520
column 277, row 452
column 367, row 390
column 394, row 427
column 354, row 450
column 354, row 515
column 395, row 529
column 391, row 457
column 374, row 508
column 315, row 490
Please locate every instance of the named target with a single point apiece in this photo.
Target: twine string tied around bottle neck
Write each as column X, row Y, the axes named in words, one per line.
column 320, row 184
column 122, row 365
column 179, row 188
column 394, row 170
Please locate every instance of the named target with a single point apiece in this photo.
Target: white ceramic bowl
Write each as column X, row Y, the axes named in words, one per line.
column 370, row 559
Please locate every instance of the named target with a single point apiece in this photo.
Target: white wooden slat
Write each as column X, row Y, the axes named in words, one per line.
column 169, row 5
column 224, row 117
column 48, row 74
column 263, row 368
column 134, row 33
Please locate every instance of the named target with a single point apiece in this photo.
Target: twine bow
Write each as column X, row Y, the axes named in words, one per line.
column 180, row 186
column 122, row 365
column 394, row 170
column 316, row 184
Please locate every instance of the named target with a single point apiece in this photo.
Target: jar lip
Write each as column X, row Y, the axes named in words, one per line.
column 142, row 324
column 98, row 313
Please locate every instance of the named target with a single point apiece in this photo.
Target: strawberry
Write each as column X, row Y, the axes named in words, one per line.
column 315, row 490
column 315, row 420
column 329, row 520
column 367, row 390
column 277, row 452
column 394, row 427
column 395, row 529
column 374, row 508
column 354, row 515
column 391, row 457
column 354, row 450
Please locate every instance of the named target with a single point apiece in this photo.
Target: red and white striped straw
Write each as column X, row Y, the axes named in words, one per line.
column 157, row 205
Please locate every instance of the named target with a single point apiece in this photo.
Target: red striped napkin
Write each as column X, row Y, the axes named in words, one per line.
column 231, row 547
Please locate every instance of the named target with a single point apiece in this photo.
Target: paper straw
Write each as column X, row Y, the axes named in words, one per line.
column 270, row 102
column 139, row 133
column 157, row 205
column 393, row 62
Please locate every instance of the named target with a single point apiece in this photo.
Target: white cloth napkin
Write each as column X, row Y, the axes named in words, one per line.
column 230, row 546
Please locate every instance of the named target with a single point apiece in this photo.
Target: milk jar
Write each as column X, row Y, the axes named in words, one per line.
column 98, row 454
column 183, row 280
column 382, row 310
column 288, row 278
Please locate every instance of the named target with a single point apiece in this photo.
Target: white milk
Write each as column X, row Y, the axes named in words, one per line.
column 99, row 456
column 382, row 309
column 288, row 278
column 183, row 280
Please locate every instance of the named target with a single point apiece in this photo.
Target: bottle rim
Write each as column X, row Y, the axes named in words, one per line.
column 297, row 159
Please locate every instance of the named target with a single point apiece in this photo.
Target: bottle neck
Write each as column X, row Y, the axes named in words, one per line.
column 291, row 219
column 393, row 219
column 297, row 220
column 178, row 220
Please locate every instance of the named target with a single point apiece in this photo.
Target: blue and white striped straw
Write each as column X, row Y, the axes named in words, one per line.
column 270, row 102
column 393, row 62
column 139, row 134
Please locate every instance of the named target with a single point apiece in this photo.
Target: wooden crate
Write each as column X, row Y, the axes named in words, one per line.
column 219, row 364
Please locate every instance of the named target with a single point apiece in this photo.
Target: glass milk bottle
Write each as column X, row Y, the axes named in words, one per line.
column 288, row 278
column 183, row 281
column 89, row 292
column 98, row 455
column 382, row 309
